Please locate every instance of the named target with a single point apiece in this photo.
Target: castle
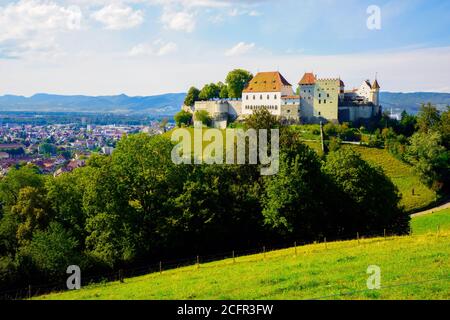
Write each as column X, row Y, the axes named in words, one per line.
column 317, row 99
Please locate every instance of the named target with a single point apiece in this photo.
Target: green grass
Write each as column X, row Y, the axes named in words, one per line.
column 431, row 222
column 402, row 175
column 412, row 267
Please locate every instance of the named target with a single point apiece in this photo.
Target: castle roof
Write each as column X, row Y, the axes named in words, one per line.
column 308, row 78
column 375, row 85
column 266, row 82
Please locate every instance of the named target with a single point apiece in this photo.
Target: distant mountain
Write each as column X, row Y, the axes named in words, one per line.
column 170, row 103
column 411, row 102
column 164, row 104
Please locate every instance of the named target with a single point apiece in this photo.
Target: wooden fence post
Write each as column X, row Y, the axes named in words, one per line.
column 325, row 240
column 264, row 252
column 198, row 262
column 121, row 276
column 295, row 248
column 357, row 236
column 384, row 233
column 29, row 291
column 234, row 258
column 160, row 267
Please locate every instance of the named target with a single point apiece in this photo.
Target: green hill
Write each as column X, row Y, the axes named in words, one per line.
column 401, row 174
column 412, row 267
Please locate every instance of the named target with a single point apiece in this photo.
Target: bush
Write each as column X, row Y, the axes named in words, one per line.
column 183, row 118
column 203, row 116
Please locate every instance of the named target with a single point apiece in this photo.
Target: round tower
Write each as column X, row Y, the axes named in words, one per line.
column 375, row 93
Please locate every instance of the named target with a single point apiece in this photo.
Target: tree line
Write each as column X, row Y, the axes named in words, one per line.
column 136, row 206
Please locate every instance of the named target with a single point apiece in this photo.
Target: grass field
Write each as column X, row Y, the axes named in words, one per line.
column 412, row 267
column 431, row 222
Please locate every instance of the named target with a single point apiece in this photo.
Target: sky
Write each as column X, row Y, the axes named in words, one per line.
column 147, row 47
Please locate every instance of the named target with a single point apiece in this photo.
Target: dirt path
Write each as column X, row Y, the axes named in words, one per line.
column 441, row 207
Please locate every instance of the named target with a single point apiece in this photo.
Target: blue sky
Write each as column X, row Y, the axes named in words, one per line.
column 144, row 47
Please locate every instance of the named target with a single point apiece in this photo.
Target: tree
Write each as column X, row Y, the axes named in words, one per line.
column 52, row 250
column 237, row 81
column 47, row 148
column 209, row 91
column 428, row 118
column 373, row 200
column 191, row 96
column 430, row 158
column 203, row 116
column 223, row 90
column 163, row 124
column 293, row 201
column 33, row 212
column 18, row 178
column 262, row 119
column 183, row 118
column 407, row 124
column 445, row 127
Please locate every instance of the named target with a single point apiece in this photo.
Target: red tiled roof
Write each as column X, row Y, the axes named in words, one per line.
column 267, row 82
column 308, row 78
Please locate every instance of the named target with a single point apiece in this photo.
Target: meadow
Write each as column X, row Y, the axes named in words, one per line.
column 412, row 267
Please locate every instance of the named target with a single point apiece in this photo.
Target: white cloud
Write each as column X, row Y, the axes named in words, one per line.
column 118, row 17
column 240, row 49
column 28, row 26
column 157, row 48
column 179, row 21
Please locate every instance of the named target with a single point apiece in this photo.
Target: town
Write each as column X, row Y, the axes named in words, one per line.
column 58, row 148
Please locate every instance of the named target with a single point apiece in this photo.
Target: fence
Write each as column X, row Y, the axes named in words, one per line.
column 33, row 290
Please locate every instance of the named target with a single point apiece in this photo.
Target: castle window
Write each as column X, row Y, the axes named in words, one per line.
column 320, row 95
column 319, row 113
column 268, row 97
column 320, row 101
column 254, row 97
column 325, row 101
column 260, row 97
column 328, row 95
column 275, row 97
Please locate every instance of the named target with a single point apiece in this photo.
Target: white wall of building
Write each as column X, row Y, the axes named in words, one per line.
column 256, row 100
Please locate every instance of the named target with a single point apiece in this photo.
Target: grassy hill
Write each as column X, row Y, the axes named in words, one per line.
column 401, row 174
column 412, row 267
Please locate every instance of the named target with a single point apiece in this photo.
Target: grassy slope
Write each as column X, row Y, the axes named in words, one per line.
column 401, row 174
column 315, row 272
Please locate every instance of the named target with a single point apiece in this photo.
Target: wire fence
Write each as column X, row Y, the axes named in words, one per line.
column 295, row 248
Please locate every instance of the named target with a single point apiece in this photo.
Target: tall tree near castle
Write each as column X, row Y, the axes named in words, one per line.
column 191, row 96
column 236, row 81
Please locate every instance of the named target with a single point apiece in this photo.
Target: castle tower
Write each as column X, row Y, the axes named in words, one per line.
column 375, row 93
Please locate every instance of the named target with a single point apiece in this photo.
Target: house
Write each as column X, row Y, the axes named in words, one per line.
column 270, row 90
